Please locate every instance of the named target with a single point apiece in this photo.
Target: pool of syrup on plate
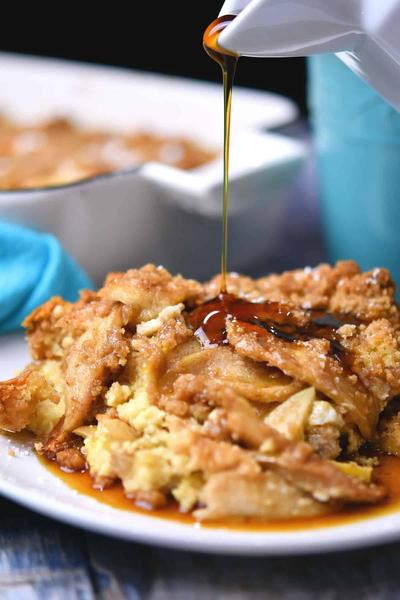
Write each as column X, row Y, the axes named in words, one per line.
column 386, row 474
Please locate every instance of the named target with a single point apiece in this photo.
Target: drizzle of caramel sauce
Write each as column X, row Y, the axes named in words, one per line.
column 386, row 474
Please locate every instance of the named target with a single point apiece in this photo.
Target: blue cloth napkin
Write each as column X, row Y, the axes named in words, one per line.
column 33, row 268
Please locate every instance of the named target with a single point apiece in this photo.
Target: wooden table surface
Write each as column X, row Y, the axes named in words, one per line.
column 46, row 560
column 41, row 559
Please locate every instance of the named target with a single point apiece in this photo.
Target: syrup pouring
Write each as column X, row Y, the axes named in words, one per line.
column 209, row 319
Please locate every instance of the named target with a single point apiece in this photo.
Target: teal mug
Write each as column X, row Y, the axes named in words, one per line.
column 357, row 140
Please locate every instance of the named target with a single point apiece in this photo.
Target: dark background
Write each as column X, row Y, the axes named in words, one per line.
column 158, row 36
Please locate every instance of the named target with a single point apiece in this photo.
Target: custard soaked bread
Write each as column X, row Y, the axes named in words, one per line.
column 271, row 421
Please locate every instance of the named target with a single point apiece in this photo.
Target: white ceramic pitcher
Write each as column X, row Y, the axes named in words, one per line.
column 364, row 33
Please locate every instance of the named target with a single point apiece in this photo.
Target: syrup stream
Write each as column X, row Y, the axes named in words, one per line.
column 228, row 63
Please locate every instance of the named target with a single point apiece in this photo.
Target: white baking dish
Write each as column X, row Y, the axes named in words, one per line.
column 154, row 212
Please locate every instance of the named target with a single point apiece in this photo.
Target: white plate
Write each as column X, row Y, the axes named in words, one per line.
column 25, row 480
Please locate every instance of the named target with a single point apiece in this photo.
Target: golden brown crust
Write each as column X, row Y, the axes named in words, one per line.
column 339, row 289
column 375, row 349
column 311, row 363
column 45, row 337
column 148, row 290
column 254, row 381
column 100, row 352
column 20, row 396
column 308, row 288
column 52, row 327
column 367, row 296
